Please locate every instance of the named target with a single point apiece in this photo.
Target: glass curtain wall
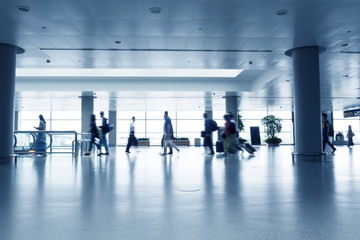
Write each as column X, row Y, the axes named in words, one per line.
column 253, row 119
column 341, row 124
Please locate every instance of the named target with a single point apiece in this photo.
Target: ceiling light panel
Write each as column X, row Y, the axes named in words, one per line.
column 191, row 73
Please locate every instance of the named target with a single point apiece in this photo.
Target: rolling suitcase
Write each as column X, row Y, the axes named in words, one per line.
column 250, row 149
column 219, row 146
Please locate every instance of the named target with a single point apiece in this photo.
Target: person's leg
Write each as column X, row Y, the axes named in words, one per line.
column 171, row 144
column 332, row 146
column 128, row 144
column 105, row 144
column 100, row 144
column 324, row 143
column 226, row 144
column 165, row 144
column 210, row 144
column 135, row 141
column 92, row 141
column 206, row 142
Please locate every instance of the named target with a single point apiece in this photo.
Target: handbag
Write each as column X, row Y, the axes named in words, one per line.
column 203, row 134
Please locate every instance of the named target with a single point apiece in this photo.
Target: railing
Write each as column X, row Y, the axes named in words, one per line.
column 57, row 141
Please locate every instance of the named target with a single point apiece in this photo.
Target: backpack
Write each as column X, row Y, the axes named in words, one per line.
column 110, row 127
column 107, row 128
column 213, row 126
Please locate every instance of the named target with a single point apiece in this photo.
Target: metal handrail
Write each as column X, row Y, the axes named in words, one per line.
column 75, row 145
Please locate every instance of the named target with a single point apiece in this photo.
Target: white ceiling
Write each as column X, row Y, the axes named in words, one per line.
column 198, row 34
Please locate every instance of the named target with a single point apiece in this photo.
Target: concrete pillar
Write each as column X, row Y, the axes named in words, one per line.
column 232, row 105
column 208, row 104
column 112, row 134
column 308, row 140
column 87, row 108
column 16, row 121
column 7, row 99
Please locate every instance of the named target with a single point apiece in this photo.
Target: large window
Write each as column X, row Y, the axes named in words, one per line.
column 341, row 124
column 253, row 119
column 55, row 120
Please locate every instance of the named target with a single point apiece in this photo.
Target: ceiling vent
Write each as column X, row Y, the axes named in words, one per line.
column 155, row 10
column 281, row 12
column 23, row 8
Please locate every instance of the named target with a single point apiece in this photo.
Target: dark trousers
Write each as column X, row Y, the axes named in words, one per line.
column 163, row 141
column 93, row 142
column 208, row 142
column 326, row 141
column 131, row 141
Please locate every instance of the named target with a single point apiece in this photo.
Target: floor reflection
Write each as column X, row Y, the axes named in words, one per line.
column 187, row 195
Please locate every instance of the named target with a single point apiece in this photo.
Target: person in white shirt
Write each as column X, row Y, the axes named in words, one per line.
column 132, row 139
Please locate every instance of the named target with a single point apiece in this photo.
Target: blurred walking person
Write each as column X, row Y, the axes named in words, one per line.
column 350, row 134
column 40, row 142
column 326, row 132
column 132, row 139
column 168, row 135
column 105, row 129
column 208, row 133
column 229, row 130
column 95, row 133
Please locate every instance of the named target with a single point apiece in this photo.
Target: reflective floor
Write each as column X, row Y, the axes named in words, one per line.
column 188, row 195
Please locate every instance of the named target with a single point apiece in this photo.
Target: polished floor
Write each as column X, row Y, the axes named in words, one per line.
column 188, row 195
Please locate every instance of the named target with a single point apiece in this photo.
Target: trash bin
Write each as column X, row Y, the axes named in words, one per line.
column 197, row 142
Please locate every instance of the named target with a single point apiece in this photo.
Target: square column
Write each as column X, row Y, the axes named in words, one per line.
column 87, row 108
column 7, row 98
column 112, row 134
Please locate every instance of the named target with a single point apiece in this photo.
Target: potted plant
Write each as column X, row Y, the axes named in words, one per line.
column 144, row 142
column 272, row 126
column 339, row 136
column 241, row 128
column 182, row 141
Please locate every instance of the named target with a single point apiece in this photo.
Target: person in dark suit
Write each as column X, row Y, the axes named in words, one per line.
column 207, row 134
column 132, row 139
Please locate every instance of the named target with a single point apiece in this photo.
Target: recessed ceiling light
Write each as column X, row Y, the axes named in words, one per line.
column 345, row 76
column 155, row 10
column 287, row 80
column 200, row 29
column 23, row 8
column 117, row 42
column 281, row 12
column 43, row 27
column 344, row 45
column 348, row 31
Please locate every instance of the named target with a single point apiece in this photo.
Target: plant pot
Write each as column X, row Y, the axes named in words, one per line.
column 143, row 143
column 273, row 141
column 182, row 143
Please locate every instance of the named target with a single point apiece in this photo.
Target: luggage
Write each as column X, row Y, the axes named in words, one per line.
column 219, row 146
column 250, row 149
